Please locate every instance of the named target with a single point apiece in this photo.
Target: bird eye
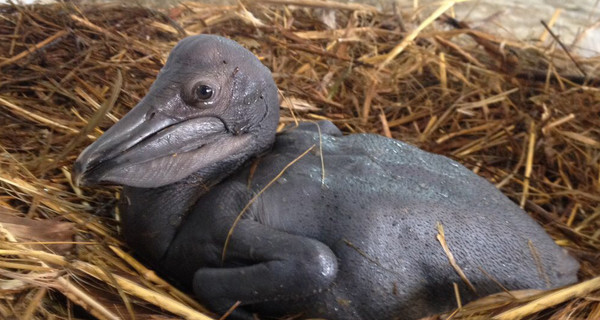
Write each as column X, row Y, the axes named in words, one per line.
column 203, row 92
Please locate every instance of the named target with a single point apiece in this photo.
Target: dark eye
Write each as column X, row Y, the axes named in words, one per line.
column 203, row 92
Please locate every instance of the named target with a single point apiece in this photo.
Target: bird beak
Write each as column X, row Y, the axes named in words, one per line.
column 149, row 149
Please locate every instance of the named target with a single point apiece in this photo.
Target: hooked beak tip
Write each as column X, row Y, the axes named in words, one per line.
column 77, row 174
column 77, row 180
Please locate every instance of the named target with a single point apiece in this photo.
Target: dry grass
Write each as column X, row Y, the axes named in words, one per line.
column 523, row 115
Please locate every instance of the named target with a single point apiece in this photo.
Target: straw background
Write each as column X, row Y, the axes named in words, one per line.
column 526, row 116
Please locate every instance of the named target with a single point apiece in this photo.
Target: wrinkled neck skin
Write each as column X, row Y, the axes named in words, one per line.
column 150, row 217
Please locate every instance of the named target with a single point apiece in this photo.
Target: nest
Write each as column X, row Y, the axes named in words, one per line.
column 526, row 116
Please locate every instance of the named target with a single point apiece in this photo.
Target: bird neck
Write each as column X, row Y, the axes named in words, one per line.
column 150, row 217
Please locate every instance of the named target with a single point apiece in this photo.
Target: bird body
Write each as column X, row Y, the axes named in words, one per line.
column 307, row 221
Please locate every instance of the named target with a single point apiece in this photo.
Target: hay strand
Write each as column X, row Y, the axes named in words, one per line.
column 517, row 113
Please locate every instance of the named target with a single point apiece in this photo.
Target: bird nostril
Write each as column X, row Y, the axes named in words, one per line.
column 149, row 117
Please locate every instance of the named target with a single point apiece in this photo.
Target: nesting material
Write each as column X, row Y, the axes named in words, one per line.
column 526, row 116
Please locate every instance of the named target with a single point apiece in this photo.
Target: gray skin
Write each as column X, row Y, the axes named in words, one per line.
column 357, row 241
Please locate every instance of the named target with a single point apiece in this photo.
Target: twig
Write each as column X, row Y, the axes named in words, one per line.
column 36, row 47
column 325, row 4
column 442, row 239
column 528, row 163
column 552, row 299
column 562, row 45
